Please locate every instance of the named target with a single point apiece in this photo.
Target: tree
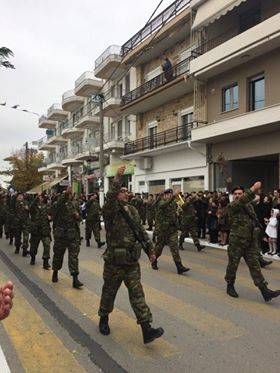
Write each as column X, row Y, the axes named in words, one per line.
column 5, row 54
column 24, row 169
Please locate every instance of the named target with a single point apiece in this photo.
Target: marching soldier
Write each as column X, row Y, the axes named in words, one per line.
column 125, row 236
column 40, row 230
column 93, row 220
column 243, row 243
column 188, row 224
column 166, row 223
column 21, row 224
column 66, row 236
column 150, row 212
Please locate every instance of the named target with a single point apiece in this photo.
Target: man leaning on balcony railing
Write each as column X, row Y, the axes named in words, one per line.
column 167, row 69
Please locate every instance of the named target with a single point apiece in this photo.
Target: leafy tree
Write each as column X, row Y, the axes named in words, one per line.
column 24, row 169
column 5, row 54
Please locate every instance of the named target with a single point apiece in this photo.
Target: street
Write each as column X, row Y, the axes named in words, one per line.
column 54, row 328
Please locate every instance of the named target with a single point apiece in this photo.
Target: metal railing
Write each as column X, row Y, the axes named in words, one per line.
column 112, row 50
column 170, row 12
column 86, row 75
column 182, row 67
column 170, row 136
column 54, row 107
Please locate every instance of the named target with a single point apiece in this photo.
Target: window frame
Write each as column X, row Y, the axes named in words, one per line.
column 231, row 88
column 251, row 82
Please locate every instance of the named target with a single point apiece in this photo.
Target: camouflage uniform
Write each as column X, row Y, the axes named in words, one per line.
column 150, row 213
column 21, row 225
column 3, row 215
column 243, row 240
column 138, row 203
column 66, row 234
column 166, row 223
column 188, row 223
column 93, row 220
column 121, row 257
column 40, row 228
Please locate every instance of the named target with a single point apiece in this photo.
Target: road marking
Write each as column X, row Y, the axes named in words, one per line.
column 38, row 348
column 124, row 329
column 4, row 368
column 216, row 327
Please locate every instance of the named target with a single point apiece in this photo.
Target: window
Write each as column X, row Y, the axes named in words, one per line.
column 230, row 97
column 152, row 133
column 127, row 83
column 127, row 127
column 256, row 93
column 113, row 131
column 119, row 129
column 185, row 122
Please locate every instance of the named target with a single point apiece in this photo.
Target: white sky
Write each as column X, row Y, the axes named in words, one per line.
column 54, row 42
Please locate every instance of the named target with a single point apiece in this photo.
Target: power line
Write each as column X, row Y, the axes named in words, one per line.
column 16, row 107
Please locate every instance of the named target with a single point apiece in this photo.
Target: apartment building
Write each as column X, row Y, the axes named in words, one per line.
column 164, row 105
column 236, row 68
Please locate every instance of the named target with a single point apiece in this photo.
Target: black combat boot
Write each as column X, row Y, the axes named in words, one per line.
column 7, row 236
column 88, row 243
column 76, row 283
column 180, row 268
column 17, row 250
column 149, row 333
column 200, row 247
column 32, row 261
column 231, row 290
column 24, row 252
column 11, row 241
column 55, row 276
column 181, row 247
column 104, row 325
column 46, row 264
column 268, row 294
column 100, row 244
column 264, row 263
column 154, row 265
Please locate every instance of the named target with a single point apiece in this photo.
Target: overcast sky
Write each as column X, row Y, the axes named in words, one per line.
column 54, row 42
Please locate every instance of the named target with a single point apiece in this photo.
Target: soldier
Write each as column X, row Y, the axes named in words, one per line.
column 21, row 224
column 93, row 220
column 125, row 236
column 242, row 241
column 3, row 215
column 166, row 222
column 66, row 236
column 11, row 200
column 138, row 203
column 189, row 224
column 40, row 230
column 150, row 212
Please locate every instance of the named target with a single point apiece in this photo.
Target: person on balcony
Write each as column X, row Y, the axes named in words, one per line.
column 167, row 69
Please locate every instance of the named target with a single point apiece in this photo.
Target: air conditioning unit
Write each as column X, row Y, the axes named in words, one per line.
column 146, row 163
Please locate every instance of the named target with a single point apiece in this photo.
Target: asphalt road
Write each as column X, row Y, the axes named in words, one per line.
column 54, row 328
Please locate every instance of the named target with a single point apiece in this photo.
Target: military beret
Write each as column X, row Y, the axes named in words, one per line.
column 169, row 190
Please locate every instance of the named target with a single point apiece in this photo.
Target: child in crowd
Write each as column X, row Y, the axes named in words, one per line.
column 271, row 231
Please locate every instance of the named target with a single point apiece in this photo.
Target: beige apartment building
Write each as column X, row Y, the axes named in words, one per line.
column 236, row 68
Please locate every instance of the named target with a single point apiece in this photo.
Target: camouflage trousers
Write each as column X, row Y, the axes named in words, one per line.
column 250, row 253
column 59, row 248
column 150, row 220
column 34, row 244
column 170, row 239
column 21, row 232
column 129, row 274
column 93, row 226
column 186, row 230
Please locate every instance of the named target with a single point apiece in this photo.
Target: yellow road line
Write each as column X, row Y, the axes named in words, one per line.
column 217, row 327
column 38, row 348
column 258, row 307
column 124, row 329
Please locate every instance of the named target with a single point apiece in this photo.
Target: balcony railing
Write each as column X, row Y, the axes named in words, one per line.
column 111, row 50
column 86, row 75
column 171, row 136
column 54, row 107
column 182, row 67
column 68, row 94
column 159, row 21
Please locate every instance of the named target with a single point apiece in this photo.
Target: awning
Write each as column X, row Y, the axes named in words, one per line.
column 212, row 10
column 46, row 185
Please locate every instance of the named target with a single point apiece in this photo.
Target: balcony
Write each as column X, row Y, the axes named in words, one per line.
column 87, row 84
column 71, row 102
column 55, row 112
column 70, row 159
column 158, row 90
column 108, row 65
column 72, row 133
column 155, row 24
column 88, row 151
column 248, row 124
column 57, row 139
column 44, row 122
column 56, row 165
column 44, row 143
column 161, row 142
column 231, row 49
column 89, row 121
column 112, row 104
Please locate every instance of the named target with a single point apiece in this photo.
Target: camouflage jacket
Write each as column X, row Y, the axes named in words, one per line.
column 242, row 217
column 166, row 217
column 39, row 213
column 21, row 213
column 93, row 210
column 118, row 233
column 188, row 214
column 65, row 214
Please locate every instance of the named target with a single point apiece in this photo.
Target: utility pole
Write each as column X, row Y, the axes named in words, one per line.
column 101, row 149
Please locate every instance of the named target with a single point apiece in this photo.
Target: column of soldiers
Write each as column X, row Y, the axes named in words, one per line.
column 126, row 237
